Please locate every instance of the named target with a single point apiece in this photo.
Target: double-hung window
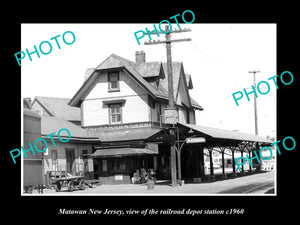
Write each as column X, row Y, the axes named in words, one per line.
column 113, row 81
column 115, row 113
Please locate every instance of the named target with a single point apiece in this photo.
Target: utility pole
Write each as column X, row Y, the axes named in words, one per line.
column 171, row 106
column 255, row 105
column 255, row 114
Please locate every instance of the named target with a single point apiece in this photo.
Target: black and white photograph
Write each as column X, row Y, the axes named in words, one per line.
column 194, row 114
column 140, row 113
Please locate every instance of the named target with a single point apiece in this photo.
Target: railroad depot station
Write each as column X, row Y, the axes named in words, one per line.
column 120, row 127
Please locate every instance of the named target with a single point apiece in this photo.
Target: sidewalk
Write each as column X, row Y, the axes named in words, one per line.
column 255, row 184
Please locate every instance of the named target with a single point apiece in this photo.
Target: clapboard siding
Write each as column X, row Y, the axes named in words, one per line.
column 135, row 108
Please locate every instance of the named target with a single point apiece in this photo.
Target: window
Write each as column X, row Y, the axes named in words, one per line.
column 85, row 161
column 115, row 113
column 159, row 112
column 84, row 154
column 104, row 165
column 118, row 164
column 188, row 116
column 113, row 81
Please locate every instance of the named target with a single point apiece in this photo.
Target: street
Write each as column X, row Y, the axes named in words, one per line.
column 255, row 184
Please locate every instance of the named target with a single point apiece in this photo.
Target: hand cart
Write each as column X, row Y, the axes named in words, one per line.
column 61, row 178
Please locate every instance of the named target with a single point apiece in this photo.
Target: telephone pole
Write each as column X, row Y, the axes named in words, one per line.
column 255, row 115
column 255, row 105
column 168, row 42
column 171, row 106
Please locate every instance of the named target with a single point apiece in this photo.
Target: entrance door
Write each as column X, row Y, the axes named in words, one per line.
column 70, row 158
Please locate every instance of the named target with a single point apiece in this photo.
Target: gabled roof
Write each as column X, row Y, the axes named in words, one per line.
column 189, row 82
column 113, row 61
column 139, row 72
column 88, row 73
column 150, row 69
column 177, row 71
column 58, row 107
column 176, row 67
column 116, row 62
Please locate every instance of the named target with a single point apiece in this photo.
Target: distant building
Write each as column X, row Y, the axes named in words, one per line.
column 56, row 107
column 33, row 168
column 71, row 156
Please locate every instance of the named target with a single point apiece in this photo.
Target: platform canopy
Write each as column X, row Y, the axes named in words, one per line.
column 210, row 136
column 219, row 136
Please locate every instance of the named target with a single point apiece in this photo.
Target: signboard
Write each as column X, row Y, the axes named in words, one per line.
column 192, row 140
column 118, row 177
column 170, row 116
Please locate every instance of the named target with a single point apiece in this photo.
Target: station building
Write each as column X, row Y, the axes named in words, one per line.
column 118, row 125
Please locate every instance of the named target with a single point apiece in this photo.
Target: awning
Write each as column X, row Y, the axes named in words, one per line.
column 119, row 152
column 126, row 134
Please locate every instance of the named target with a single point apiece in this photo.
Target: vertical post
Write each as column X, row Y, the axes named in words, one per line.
column 178, row 149
column 242, row 164
column 233, row 161
column 255, row 104
column 249, row 153
column 171, row 93
column 171, row 105
column 255, row 114
column 223, row 163
column 211, row 161
column 169, row 68
column 197, row 163
column 201, row 154
column 173, row 165
column 179, row 163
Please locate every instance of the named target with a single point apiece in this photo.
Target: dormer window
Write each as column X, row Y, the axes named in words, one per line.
column 113, row 81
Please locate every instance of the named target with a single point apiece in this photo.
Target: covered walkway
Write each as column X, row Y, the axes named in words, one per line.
column 192, row 141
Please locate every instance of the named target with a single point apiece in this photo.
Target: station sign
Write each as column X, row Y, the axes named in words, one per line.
column 193, row 140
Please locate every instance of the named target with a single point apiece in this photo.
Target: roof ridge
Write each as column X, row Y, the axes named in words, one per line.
column 120, row 57
column 50, row 97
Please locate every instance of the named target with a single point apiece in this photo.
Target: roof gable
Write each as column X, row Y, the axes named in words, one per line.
column 183, row 91
column 189, row 82
column 176, row 73
column 150, row 69
column 140, row 72
column 58, row 107
column 179, row 82
column 115, row 62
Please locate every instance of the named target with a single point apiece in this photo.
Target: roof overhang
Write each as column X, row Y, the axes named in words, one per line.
column 121, row 152
column 220, row 135
column 212, row 136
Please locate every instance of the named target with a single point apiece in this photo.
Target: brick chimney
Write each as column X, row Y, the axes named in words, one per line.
column 140, row 57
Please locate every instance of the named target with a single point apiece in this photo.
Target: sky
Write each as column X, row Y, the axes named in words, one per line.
column 219, row 59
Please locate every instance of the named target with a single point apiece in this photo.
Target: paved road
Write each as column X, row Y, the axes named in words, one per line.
column 251, row 188
column 251, row 184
